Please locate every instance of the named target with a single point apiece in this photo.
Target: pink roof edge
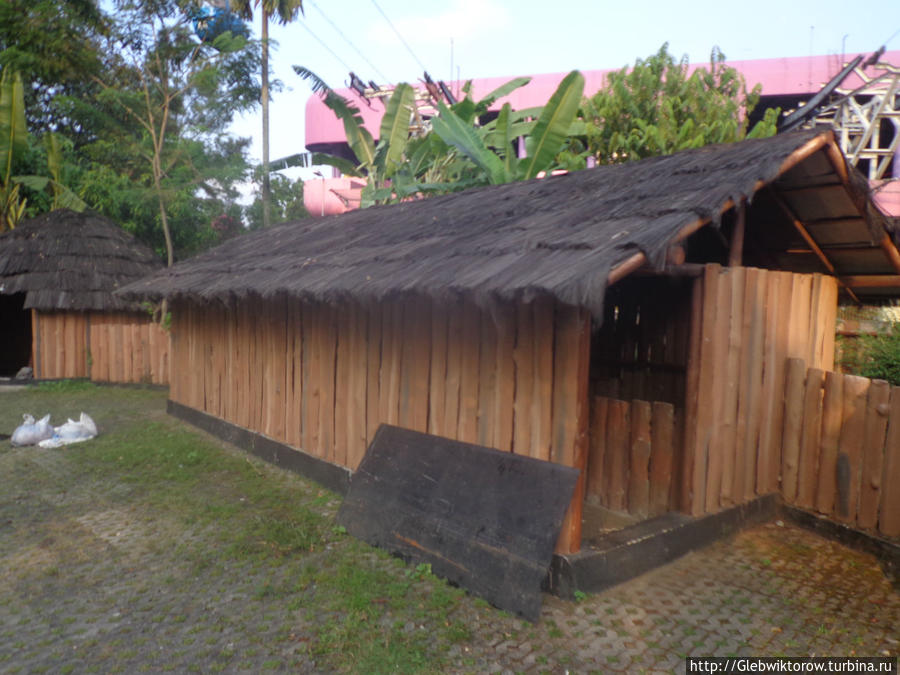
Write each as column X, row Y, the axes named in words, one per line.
column 781, row 76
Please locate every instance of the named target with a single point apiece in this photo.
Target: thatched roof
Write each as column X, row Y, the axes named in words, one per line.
column 559, row 236
column 65, row 260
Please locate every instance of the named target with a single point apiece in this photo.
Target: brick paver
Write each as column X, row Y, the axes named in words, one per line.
column 92, row 583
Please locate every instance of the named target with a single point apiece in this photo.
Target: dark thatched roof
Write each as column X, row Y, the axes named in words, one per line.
column 559, row 236
column 65, row 260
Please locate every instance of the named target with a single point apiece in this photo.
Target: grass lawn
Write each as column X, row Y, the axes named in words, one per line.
column 215, row 512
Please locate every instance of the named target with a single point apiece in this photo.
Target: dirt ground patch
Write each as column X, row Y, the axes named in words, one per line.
column 155, row 548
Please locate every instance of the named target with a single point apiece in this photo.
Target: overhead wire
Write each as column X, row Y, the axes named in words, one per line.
column 397, row 33
column 327, row 48
column 347, row 40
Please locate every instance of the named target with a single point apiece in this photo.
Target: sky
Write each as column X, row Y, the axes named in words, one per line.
column 487, row 38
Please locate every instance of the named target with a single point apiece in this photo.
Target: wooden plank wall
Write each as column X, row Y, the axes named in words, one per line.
column 634, row 455
column 59, row 345
column 104, row 347
column 841, row 440
column 323, row 378
column 747, row 323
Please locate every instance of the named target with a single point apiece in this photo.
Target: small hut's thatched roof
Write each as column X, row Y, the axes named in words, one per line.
column 559, row 236
column 65, row 260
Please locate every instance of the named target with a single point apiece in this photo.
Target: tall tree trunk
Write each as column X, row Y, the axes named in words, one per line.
column 265, row 118
column 157, row 183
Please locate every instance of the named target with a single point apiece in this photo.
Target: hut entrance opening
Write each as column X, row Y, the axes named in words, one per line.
column 15, row 338
column 639, row 359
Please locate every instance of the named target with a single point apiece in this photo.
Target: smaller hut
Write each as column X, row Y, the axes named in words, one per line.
column 58, row 272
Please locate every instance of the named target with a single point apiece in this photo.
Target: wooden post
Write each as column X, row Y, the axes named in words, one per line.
column 889, row 518
column 571, row 412
column 36, row 345
column 736, row 254
column 871, row 487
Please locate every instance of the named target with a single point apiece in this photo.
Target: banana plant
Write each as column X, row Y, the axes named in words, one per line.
column 491, row 148
column 13, row 144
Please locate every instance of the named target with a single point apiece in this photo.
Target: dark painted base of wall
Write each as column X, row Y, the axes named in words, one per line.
column 627, row 553
column 331, row 476
column 616, row 557
column 887, row 552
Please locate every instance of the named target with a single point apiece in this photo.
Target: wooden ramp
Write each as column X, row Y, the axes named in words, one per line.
column 484, row 519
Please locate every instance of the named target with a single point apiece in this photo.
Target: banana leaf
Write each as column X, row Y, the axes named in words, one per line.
column 13, row 132
column 553, row 125
column 395, row 127
column 464, row 138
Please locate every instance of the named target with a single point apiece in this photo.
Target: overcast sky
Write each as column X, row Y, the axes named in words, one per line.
column 482, row 38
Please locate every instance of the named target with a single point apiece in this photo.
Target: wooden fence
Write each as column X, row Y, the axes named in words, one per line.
column 841, row 447
column 747, row 322
column 104, row 347
column 634, row 459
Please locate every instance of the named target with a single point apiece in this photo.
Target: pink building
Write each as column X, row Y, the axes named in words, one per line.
column 786, row 83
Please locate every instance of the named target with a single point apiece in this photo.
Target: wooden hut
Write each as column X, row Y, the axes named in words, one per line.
column 58, row 274
column 536, row 317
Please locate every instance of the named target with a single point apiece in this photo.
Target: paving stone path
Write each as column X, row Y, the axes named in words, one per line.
column 90, row 583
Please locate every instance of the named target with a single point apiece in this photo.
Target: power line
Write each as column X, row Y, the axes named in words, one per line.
column 347, row 40
column 329, row 49
column 397, row 33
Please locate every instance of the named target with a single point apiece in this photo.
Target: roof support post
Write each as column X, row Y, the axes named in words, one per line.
column 736, row 254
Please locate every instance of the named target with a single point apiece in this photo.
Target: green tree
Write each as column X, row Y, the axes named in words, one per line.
column 286, row 11
column 286, row 203
column 55, row 46
column 166, row 101
column 658, row 107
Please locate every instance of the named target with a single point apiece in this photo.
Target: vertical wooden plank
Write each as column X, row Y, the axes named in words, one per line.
column 154, row 347
column 487, row 379
column 878, row 408
column 415, row 339
column 294, row 383
column 48, row 343
column 639, row 462
column 455, row 349
column 571, row 373
column 467, row 429
column 280, row 365
column 735, row 380
column 720, row 385
column 437, row 390
column 127, row 349
column 889, row 516
column 856, row 391
column 751, row 392
column 828, row 302
column 356, row 417
column 504, row 398
column 597, row 451
column 327, row 352
column 832, row 408
column 73, row 356
column 693, row 461
column 661, row 457
column 801, row 318
column 793, row 423
column 523, row 357
column 343, row 366
column 810, row 439
column 312, row 367
column 391, row 327
column 542, row 396
column 93, row 345
column 373, row 371
column 116, row 367
column 36, row 344
column 618, row 435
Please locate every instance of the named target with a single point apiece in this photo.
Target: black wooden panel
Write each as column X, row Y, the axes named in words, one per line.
column 484, row 519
